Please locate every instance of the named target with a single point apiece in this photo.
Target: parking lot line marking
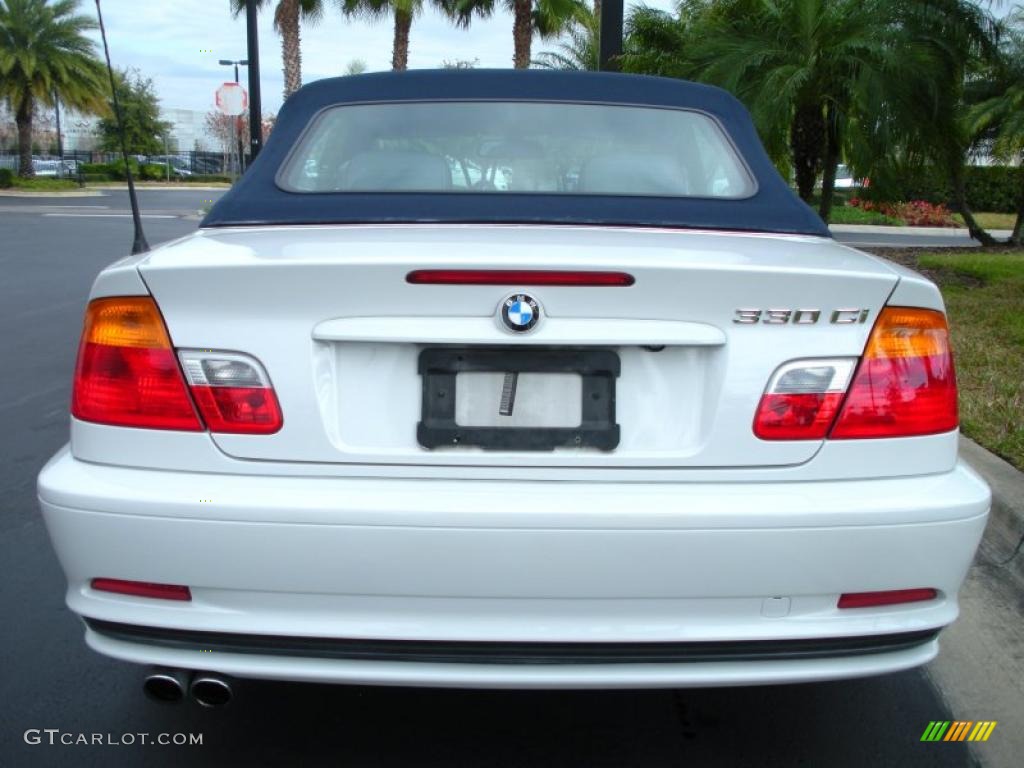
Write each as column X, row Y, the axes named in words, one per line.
column 111, row 215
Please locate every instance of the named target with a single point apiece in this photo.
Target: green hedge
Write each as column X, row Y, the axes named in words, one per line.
column 213, row 177
column 109, row 171
column 995, row 189
column 6, row 178
column 115, row 171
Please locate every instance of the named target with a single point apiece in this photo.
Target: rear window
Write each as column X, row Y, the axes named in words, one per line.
column 510, row 147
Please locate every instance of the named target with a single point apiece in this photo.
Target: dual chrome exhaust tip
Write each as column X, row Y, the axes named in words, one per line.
column 170, row 686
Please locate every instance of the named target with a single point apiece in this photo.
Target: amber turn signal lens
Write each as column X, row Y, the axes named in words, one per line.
column 908, row 332
column 131, row 321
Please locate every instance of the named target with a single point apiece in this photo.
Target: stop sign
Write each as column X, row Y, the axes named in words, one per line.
column 231, row 99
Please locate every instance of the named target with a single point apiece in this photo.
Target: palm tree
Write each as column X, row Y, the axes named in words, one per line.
column 817, row 74
column 288, row 14
column 44, row 52
column 547, row 18
column 999, row 111
column 959, row 40
column 402, row 11
column 582, row 50
column 798, row 65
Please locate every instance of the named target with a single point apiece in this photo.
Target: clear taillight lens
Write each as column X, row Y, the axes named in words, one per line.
column 802, row 399
column 127, row 374
column 905, row 384
column 232, row 391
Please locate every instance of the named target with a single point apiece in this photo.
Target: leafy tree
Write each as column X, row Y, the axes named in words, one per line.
column 288, row 15
column 355, row 67
column 459, row 63
column 547, row 18
column 140, row 110
column 44, row 52
column 582, row 51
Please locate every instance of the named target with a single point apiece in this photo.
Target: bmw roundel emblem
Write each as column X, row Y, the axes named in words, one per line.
column 519, row 312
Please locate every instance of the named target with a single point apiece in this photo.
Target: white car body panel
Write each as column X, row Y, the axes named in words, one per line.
column 341, row 526
column 440, row 560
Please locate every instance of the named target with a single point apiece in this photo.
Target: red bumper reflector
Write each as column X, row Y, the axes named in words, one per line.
column 889, row 597
column 514, row 277
column 142, row 589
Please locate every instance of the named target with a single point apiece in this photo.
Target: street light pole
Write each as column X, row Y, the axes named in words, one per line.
column 60, row 144
column 238, row 121
column 255, row 107
column 611, row 34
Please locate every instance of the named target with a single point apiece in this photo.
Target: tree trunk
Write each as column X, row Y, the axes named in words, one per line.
column 1015, row 236
column 828, row 178
column 806, row 138
column 287, row 19
column 23, row 119
column 956, row 173
column 522, row 32
column 400, row 49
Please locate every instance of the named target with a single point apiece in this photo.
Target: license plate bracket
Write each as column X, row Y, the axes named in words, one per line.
column 598, row 369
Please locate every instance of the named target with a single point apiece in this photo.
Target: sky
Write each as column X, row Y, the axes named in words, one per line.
column 179, row 43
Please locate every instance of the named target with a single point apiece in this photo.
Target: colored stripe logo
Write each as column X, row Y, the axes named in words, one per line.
column 958, row 730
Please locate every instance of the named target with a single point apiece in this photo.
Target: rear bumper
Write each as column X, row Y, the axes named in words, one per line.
column 295, row 578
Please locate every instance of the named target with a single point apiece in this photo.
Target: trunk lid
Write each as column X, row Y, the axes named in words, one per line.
column 329, row 313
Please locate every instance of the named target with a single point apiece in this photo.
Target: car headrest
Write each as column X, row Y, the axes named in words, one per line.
column 394, row 170
column 633, row 173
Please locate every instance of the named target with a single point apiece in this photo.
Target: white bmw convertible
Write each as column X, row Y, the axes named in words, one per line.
column 512, row 379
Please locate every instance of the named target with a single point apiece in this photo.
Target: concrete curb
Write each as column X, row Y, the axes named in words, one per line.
column 873, row 229
column 1005, row 531
column 161, row 188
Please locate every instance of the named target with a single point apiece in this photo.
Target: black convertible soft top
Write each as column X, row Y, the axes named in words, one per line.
column 258, row 200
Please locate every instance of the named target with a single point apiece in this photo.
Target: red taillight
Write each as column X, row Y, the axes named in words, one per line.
column 888, row 597
column 142, row 589
column 127, row 374
column 513, row 277
column 905, row 384
column 242, row 410
column 232, row 391
column 802, row 399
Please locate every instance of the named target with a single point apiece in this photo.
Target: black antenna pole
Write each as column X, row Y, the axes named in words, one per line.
column 140, row 245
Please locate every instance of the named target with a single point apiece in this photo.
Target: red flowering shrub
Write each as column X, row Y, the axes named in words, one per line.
column 916, row 213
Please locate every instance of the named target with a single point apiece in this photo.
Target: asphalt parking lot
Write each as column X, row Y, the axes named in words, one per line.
column 50, row 680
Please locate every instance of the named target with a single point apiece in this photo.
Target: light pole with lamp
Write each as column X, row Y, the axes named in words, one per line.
column 60, row 143
column 238, row 123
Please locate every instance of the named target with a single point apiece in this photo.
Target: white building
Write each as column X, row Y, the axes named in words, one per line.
column 188, row 130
